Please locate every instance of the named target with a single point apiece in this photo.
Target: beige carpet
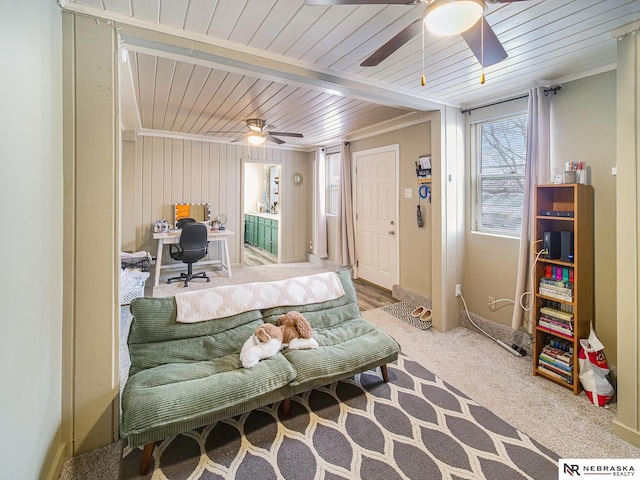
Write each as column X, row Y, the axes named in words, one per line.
column 503, row 383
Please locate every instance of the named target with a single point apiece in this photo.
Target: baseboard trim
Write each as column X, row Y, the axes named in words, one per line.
column 57, row 463
column 626, row 433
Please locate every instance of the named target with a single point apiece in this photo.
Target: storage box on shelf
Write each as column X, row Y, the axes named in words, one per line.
column 563, row 280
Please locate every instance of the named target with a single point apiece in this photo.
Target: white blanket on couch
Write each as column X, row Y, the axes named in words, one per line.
column 227, row 300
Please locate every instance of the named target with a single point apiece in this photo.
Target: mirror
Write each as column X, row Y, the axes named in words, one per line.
column 200, row 212
column 274, row 188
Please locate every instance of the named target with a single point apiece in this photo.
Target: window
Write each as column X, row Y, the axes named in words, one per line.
column 333, row 180
column 498, row 157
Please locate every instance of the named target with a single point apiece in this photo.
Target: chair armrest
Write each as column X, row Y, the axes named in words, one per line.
column 174, row 250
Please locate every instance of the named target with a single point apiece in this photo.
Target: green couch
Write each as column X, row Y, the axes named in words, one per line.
column 185, row 376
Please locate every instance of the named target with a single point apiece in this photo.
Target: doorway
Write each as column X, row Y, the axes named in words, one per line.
column 377, row 212
column 261, row 213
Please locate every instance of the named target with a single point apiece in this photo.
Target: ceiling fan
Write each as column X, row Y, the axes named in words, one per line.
column 259, row 131
column 443, row 17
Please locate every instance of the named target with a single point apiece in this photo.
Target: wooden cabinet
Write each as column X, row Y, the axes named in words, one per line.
column 250, row 230
column 274, row 237
column 563, row 280
column 261, row 232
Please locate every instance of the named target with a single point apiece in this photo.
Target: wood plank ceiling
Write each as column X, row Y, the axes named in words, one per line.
column 298, row 67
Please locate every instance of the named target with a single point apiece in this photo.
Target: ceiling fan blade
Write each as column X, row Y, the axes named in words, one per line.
column 394, row 44
column 494, row 52
column 274, row 140
column 223, row 132
column 360, row 2
column 286, row 134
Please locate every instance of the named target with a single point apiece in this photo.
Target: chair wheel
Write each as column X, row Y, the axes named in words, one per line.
column 208, row 279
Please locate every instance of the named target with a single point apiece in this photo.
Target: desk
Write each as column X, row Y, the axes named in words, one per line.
column 174, row 237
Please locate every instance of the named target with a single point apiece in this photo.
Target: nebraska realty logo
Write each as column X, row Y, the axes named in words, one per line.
column 593, row 469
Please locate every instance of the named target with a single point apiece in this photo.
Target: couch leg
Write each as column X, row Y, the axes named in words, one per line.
column 146, row 457
column 385, row 374
column 286, row 407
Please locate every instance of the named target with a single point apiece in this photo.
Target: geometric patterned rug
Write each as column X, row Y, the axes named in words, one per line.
column 416, row 426
column 402, row 311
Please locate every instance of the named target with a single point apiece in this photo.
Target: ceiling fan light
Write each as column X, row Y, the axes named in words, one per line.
column 256, row 139
column 451, row 17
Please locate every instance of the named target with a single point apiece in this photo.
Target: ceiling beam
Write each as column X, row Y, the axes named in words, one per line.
column 169, row 42
column 279, row 71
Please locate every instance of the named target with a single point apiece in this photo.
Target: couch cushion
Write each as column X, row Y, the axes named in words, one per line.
column 177, row 393
column 155, row 338
column 347, row 343
column 343, row 348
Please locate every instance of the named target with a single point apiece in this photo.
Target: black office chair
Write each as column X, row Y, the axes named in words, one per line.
column 183, row 221
column 193, row 247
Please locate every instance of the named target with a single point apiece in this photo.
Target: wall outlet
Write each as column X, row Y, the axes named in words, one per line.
column 492, row 305
column 458, row 290
column 408, row 192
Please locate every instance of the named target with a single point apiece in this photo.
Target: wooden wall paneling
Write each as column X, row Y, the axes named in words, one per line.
column 177, row 161
column 214, row 176
column 205, row 173
column 186, row 171
column 138, row 195
column 146, row 193
column 196, row 173
column 167, row 182
column 157, row 187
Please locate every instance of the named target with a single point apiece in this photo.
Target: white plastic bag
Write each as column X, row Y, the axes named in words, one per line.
column 594, row 371
column 132, row 278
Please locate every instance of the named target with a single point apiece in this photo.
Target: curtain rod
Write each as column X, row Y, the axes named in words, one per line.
column 546, row 92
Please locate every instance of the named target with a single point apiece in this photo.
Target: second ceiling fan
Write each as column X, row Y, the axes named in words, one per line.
column 259, row 131
column 442, row 17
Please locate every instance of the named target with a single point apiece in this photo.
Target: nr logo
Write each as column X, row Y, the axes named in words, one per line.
column 571, row 469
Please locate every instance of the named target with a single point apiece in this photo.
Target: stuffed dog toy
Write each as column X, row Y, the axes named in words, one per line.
column 255, row 350
column 293, row 331
column 297, row 333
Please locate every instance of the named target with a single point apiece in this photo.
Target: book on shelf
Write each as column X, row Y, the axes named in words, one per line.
column 558, row 354
column 563, row 307
column 560, row 370
column 553, row 282
column 557, row 323
column 555, row 362
column 561, row 344
column 547, row 292
column 557, row 314
column 552, row 328
column 562, row 377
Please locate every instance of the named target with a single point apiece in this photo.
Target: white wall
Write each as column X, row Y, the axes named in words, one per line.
column 253, row 185
column 31, row 192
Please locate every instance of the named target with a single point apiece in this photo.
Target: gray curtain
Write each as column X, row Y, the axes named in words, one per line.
column 345, row 246
column 536, row 172
column 320, row 206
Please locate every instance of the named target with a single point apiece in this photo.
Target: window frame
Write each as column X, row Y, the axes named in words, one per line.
column 477, row 177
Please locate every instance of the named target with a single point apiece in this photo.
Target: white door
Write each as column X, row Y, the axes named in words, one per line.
column 377, row 215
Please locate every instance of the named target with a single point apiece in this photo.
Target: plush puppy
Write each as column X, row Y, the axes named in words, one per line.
column 255, row 350
column 297, row 333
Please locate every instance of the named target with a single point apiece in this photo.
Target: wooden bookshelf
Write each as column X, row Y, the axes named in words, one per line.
column 576, row 198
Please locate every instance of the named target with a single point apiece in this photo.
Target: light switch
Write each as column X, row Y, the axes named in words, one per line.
column 408, row 192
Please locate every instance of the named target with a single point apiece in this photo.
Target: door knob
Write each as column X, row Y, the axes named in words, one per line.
column 392, row 232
